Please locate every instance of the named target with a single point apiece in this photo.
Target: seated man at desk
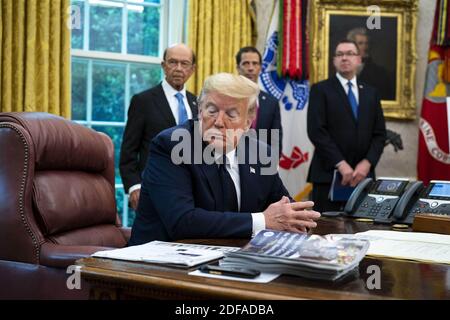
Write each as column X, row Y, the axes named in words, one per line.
column 211, row 179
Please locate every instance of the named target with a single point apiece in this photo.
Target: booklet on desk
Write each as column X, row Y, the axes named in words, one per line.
column 339, row 192
column 309, row 256
column 168, row 253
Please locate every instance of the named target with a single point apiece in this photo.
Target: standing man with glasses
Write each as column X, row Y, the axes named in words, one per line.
column 151, row 111
column 346, row 126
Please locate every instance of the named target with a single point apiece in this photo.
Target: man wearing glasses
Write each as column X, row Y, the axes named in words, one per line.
column 151, row 111
column 346, row 126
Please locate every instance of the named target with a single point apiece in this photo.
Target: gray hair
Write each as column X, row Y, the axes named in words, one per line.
column 231, row 85
column 351, row 35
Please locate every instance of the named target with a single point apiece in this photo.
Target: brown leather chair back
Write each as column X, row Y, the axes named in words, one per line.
column 56, row 186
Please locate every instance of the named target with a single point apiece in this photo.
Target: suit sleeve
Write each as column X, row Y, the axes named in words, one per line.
column 379, row 134
column 317, row 128
column 168, row 189
column 131, row 143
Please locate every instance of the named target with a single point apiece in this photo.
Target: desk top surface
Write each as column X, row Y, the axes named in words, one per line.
column 399, row 279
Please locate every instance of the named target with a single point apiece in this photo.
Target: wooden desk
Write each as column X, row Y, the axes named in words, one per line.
column 114, row 279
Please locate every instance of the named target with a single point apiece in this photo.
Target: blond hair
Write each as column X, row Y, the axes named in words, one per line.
column 234, row 86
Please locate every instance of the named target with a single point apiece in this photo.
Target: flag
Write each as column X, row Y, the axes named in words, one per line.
column 433, row 162
column 293, row 99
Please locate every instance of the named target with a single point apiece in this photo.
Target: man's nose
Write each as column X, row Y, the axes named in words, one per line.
column 219, row 120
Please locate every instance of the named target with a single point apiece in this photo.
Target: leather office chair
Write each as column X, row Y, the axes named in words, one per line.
column 57, row 203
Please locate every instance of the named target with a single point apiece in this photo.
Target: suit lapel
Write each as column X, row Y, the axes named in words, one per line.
column 261, row 112
column 337, row 84
column 192, row 100
column 212, row 176
column 164, row 107
column 248, row 175
column 363, row 107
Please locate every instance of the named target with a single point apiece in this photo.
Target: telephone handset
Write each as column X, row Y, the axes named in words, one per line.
column 406, row 201
column 358, row 195
column 434, row 199
column 376, row 200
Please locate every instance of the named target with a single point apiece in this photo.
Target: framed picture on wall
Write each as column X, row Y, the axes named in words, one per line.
column 384, row 31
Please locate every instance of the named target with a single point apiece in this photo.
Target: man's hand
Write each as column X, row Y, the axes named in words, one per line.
column 134, row 198
column 286, row 216
column 361, row 172
column 346, row 171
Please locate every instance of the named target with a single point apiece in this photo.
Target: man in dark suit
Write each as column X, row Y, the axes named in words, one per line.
column 154, row 110
column 203, row 178
column 346, row 126
column 248, row 64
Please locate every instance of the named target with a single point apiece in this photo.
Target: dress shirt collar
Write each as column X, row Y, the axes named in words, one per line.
column 231, row 158
column 344, row 81
column 170, row 91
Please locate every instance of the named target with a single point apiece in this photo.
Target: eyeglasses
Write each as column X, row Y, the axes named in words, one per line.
column 172, row 63
column 348, row 54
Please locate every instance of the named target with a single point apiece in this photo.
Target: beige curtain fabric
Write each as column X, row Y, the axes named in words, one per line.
column 217, row 30
column 35, row 56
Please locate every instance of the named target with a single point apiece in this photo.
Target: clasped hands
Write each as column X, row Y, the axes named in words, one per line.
column 352, row 176
column 291, row 216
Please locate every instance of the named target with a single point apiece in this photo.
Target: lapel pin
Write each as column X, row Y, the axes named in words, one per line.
column 252, row 170
column 360, row 86
column 264, row 97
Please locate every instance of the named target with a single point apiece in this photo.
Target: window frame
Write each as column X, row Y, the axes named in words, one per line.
column 170, row 10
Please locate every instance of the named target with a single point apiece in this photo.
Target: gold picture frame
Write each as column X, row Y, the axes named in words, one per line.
column 396, row 56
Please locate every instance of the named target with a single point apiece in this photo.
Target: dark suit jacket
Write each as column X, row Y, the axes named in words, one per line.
column 269, row 116
column 336, row 134
column 180, row 201
column 148, row 115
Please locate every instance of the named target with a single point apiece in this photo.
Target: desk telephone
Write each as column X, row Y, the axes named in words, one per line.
column 378, row 200
column 433, row 199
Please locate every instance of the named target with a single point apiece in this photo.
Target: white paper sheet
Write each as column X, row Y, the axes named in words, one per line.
column 417, row 246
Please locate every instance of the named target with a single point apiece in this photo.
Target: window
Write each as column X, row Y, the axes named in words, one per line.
column 115, row 54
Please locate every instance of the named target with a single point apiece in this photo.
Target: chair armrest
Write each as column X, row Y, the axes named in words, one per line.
column 61, row 256
column 126, row 232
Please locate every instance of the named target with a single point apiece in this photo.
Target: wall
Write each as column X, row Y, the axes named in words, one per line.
column 402, row 163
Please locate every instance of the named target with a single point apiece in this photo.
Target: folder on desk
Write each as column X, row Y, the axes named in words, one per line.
column 339, row 192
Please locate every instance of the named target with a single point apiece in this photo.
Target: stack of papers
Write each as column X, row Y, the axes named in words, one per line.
column 309, row 256
column 168, row 253
column 417, row 246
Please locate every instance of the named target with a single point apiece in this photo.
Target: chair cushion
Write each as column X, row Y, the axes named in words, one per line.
column 68, row 200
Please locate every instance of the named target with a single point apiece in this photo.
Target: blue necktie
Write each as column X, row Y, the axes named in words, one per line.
column 182, row 113
column 352, row 100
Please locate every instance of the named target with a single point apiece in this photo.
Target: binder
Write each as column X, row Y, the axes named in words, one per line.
column 339, row 192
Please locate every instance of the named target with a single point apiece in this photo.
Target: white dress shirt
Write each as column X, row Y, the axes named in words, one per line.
column 344, row 84
column 173, row 101
column 232, row 166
